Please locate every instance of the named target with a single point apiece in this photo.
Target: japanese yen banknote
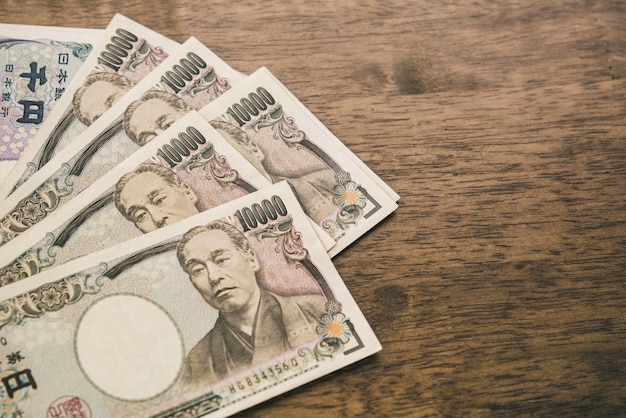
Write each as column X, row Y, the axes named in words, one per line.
column 136, row 118
column 37, row 64
column 187, row 169
column 205, row 317
column 284, row 141
column 124, row 54
column 165, row 237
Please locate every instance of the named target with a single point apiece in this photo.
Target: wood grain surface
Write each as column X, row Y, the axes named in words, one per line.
column 498, row 287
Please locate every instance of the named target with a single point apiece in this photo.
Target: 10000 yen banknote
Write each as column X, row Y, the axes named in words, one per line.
column 37, row 64
column 125, row 53
column 187, row 169
column 148, row 109
column 284, row 141
column 205, row 317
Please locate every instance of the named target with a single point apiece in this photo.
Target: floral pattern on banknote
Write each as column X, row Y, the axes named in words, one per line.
column 32, row 209
column 288, row 240
column 349, row 194
column 216, row 166
column 28, row 264
column 220, row 170
column 47, row 198
column 335, row 327
column 46, row 254
column 79, row 50
column 50, row 297
column 66, row 297
column 197, row 160
column 284, row 127
column 333, row 306
column 146, row 54
column 209, row 82
column 15, row 272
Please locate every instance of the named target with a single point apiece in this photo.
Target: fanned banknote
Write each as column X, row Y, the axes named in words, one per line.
column 190, row 78
column 205, row 317
column 284, row 141
column 187, row 169
column 125, row 53
column 37, row 64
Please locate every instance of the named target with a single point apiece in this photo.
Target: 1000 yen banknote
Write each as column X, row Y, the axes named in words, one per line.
column 37, row 64
column 187, row 169
column 205, row 317
column 276, row 133
column 125, row 53
column 190, row 78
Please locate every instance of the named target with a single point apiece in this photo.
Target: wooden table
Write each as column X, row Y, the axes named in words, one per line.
column 498, row 287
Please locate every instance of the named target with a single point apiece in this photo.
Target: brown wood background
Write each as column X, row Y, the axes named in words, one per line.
column 498, row 287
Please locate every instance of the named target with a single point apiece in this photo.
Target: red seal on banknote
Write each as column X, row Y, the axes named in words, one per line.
column 69, row 407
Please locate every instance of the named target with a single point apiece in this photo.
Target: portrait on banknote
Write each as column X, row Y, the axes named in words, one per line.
column 152, row 114
column 254, row 324
column 152, row 196
column 97, row 94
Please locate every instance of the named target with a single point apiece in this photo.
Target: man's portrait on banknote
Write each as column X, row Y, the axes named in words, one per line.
column 152, row 114
column 254, row 324
column 153, row 196
column 314, row 189
column 97, row 94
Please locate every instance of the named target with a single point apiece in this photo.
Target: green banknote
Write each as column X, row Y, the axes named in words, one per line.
column 205, row 317
column 190, row 78
column 37, row 64
column 124, row 54
column 286, row 142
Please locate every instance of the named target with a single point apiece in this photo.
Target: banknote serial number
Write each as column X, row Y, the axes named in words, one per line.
column 117, row 49
column 270, row 373
column 183, row 72
column 260, row 213
column 181, row 146
column 250, row 106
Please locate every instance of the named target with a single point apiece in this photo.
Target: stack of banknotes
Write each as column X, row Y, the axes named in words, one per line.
column 167, row 228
